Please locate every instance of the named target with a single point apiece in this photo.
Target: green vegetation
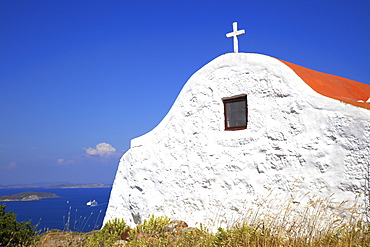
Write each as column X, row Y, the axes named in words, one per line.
column 28, row 195
column 152, row 227
column 13, row 233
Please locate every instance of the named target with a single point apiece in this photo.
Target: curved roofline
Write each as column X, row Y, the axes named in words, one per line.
column 332, row 86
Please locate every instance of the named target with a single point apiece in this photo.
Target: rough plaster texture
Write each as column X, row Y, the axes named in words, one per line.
column 297, row 141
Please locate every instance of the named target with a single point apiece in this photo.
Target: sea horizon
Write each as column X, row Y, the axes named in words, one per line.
column 55, row 185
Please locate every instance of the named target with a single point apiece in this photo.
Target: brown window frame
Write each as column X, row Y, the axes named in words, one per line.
column 236, row 99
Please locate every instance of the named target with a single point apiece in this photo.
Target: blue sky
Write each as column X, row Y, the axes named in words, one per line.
column 80, row 79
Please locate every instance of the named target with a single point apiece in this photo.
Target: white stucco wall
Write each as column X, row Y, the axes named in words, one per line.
column 297, row 141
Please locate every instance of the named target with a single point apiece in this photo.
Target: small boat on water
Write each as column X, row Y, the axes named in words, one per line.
column 92, row 203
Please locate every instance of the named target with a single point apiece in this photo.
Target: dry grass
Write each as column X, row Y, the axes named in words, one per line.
column 63, row 238
column 313, row 223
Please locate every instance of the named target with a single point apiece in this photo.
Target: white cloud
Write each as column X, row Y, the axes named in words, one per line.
column 103, row 153
column 102, row 149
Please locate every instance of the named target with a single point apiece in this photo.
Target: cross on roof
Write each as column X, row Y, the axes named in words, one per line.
column 234, row 34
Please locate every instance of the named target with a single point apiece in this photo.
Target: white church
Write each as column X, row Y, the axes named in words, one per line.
column 243, row 126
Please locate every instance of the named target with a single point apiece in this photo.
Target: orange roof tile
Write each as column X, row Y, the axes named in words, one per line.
column 335, row 87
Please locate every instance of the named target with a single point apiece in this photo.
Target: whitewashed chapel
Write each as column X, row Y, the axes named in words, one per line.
column 243, row 126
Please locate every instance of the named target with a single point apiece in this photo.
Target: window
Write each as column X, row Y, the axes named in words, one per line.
column 236, row 112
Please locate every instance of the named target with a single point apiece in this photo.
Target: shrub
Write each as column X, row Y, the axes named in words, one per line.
column 109, row 234
column 152, row 227
column 14, row 233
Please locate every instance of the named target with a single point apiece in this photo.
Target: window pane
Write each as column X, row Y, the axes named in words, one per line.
column 236, row 114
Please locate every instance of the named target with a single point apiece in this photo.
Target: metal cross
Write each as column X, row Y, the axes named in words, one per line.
column 235, row 33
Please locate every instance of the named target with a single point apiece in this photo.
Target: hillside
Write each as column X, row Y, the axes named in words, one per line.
column 28, row 196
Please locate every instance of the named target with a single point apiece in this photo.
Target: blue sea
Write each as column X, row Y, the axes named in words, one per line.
column 67, row 212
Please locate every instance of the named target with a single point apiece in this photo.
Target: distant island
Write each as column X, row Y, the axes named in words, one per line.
column 28, row 196
column 57, row 186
